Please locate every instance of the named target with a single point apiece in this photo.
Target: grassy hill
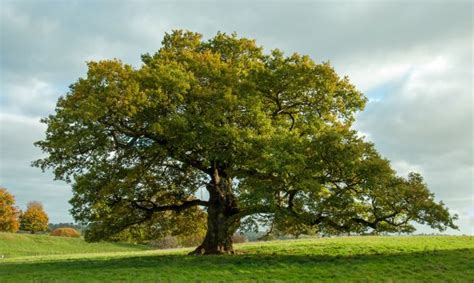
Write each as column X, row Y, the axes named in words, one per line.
column 417, row 258
column 16, row 245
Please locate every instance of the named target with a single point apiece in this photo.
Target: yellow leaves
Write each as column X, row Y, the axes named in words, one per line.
column 156, row 128
column 324, row 192
column 181, row 40
column 110, row 84
column 34, row 219
column 8, row 212
column 65, row 232
column 230, row 97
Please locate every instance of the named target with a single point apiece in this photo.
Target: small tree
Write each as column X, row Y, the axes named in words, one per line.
column 8, row 212
column 34, row 219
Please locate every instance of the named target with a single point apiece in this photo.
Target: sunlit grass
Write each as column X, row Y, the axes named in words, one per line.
column 417, row 258
column 15, row 245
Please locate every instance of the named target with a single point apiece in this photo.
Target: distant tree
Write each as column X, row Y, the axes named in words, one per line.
column 278, row 227
column 239, row 238
column 293, row 227
column 261, row 132
column 8, row 212
column 34, row 219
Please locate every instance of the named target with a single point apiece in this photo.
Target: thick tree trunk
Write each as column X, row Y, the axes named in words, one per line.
column 221, row 220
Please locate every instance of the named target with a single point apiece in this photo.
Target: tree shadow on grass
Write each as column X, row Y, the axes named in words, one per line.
column 440, row 265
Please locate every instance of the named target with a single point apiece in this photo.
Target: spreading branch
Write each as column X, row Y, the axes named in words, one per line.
column 171, row 207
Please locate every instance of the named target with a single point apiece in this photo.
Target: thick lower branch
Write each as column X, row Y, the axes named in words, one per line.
column 372, row 224
column 172, row 207
column 252, row 210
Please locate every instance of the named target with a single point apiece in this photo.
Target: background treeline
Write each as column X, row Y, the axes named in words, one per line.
column 165, row 230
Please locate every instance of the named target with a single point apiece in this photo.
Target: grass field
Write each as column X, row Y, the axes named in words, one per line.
column 16, row 245
column 386, row 259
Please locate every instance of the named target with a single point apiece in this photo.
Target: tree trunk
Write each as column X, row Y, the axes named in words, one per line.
column 221, row 220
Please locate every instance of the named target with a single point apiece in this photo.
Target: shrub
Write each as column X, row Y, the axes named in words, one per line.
column 168, row 242
column 239, row 238
column 191, row 240
column 65, row 232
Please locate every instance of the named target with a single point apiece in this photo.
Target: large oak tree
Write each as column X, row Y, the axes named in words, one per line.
column 264, row 134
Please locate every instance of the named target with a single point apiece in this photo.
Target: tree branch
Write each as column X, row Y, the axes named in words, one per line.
column 171, row 207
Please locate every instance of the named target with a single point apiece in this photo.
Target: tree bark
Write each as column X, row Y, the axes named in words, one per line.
column 221, row 224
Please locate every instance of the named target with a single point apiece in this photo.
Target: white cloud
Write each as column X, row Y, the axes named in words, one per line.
column 373, row 74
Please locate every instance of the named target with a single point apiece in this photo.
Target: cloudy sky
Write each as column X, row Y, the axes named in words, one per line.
column 412, row 59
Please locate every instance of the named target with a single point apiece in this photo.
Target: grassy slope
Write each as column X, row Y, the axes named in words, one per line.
column 14, row 245
column 429, row 259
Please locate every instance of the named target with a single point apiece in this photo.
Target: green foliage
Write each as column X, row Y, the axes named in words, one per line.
column 188, row 228
column 292, row 227
column 345, row 259
column 263, row 133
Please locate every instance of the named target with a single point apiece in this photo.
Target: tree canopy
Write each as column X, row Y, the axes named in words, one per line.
column 262, row 133
column 8, row 212
column 34, row 219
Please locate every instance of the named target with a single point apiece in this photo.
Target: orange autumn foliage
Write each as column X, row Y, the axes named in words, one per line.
column 34, row 219
column 8, row 212
column 66, row 232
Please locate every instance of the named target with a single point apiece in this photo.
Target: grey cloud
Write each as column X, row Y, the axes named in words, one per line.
column 31, row 97
column 17, row 136
column 51, row 40
column 52, row 37
column 428, row 116
column 425, row 123
column 426, row 126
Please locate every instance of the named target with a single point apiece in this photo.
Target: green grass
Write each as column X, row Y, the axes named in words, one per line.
column 362, row 259
column 15, row 245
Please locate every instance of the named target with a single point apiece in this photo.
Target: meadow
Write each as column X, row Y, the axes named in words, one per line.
column 36, row 258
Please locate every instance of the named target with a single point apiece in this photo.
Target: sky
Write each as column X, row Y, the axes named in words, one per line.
column 412, row 59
